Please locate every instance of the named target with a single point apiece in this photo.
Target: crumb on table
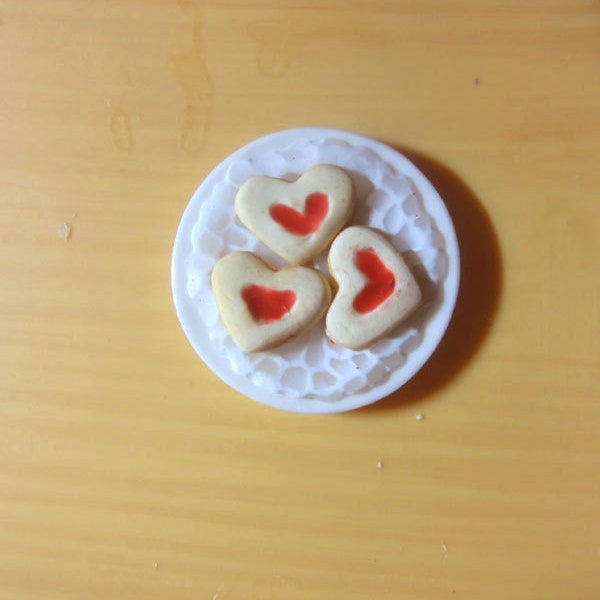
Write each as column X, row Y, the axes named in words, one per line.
column 63, row 231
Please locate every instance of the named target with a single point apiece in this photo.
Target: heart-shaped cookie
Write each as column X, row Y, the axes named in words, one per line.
column 262, row 308
column 297, row 220
column 376, row 288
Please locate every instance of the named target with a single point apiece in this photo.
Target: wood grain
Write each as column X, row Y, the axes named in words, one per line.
column 128, row 470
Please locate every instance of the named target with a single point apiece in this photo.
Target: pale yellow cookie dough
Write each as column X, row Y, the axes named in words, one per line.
column 305, row 295
column 256, row 198
column 345, row 324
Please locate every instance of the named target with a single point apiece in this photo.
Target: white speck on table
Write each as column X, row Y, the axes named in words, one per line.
column 63, row 231
column 420, row 417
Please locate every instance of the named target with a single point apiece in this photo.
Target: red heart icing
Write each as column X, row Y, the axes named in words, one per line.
column 380, row 285
column 302, row 223
column 266, row 304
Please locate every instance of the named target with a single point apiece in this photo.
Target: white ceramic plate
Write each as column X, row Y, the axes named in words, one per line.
column 309, row 374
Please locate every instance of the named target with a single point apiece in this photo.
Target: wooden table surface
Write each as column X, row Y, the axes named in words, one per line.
column 128, row 470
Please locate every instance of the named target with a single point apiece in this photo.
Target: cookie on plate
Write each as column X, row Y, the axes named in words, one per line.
column 261, row 308
column 297, row 220
column 376, row 290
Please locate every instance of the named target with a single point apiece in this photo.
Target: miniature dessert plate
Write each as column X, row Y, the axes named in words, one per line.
column 310, row 373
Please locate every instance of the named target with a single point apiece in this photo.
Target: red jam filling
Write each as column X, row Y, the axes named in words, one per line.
column 266, row 304
column 380, row 281
column 302, row 223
